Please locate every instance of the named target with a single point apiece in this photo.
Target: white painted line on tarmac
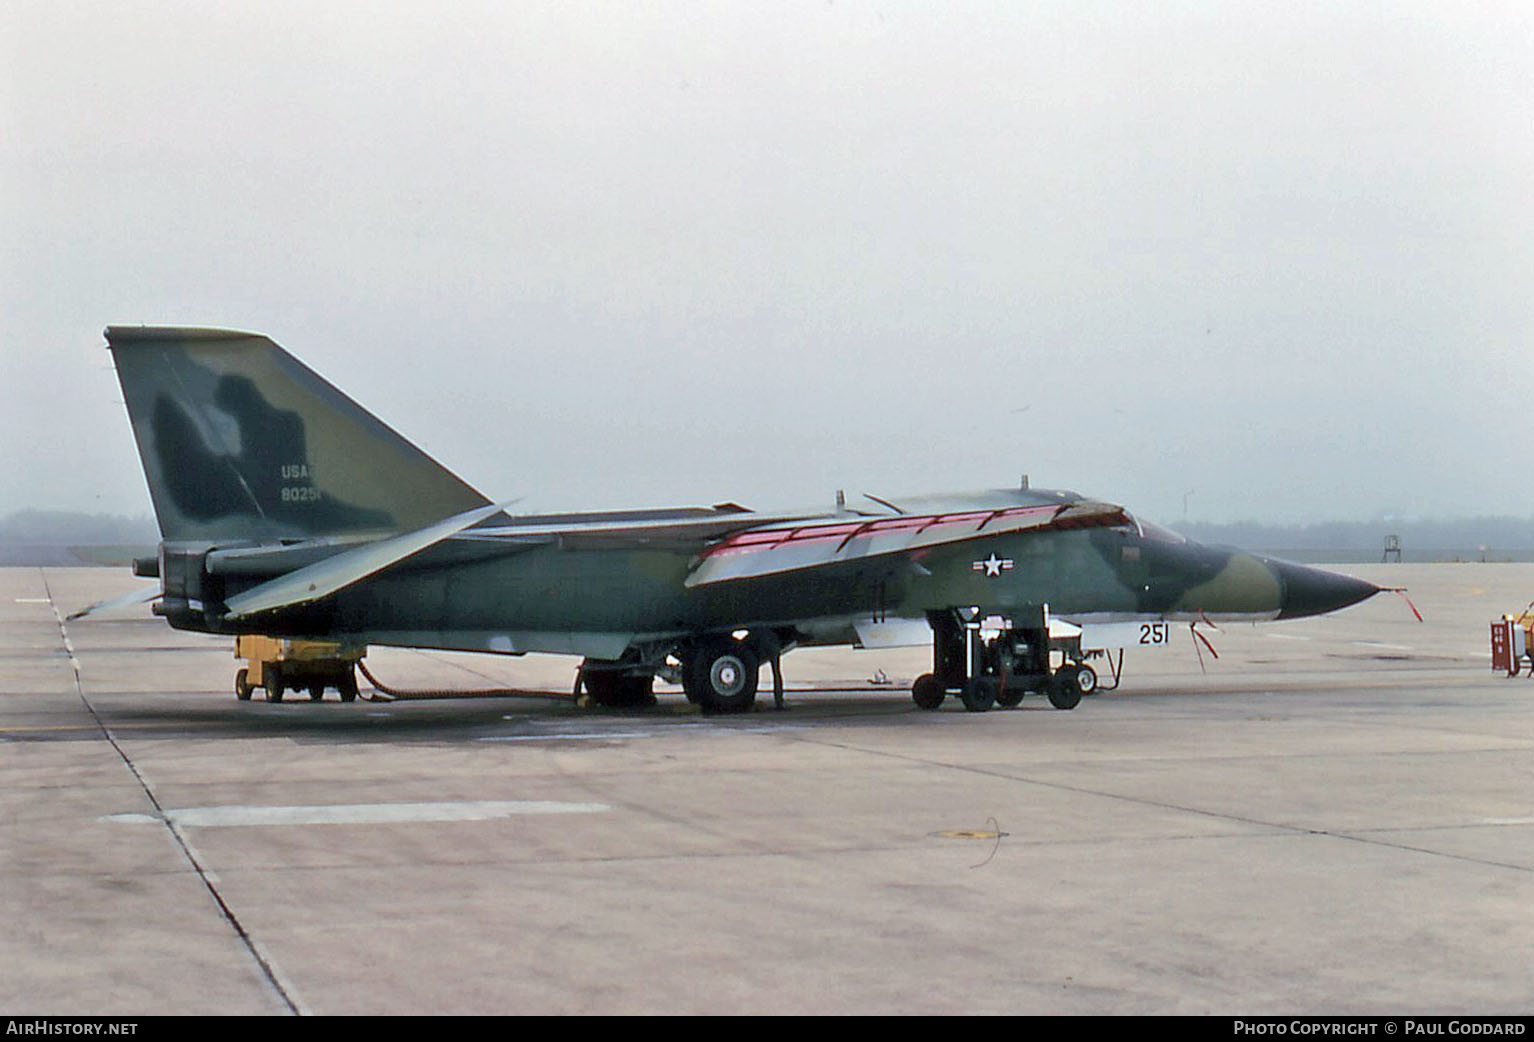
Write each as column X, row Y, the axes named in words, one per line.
column 588, row 736
column 358, row 813
column 569, row 737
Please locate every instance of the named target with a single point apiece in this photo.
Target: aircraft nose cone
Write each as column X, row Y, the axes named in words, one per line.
column 1315, row 591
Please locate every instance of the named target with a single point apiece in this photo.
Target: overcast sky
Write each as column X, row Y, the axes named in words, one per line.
column 1209, row 260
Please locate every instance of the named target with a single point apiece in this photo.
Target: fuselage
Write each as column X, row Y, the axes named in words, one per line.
column 504, row 595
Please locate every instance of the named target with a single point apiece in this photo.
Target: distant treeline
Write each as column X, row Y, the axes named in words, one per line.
column 62, row 537
column 1466, row 539
column 65, row 528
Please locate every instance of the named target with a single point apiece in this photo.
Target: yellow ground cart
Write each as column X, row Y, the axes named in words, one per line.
column 278, row 664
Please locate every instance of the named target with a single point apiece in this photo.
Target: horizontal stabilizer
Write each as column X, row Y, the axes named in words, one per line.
column 127, row 600
column 336, row 573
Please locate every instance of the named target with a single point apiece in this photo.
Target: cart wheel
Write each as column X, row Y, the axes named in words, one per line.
column 242, row 685
column 316, row 692
column 274, row 684
column 348, row 687
column 1065, row 687
column 979, row 694
column 1010, row 696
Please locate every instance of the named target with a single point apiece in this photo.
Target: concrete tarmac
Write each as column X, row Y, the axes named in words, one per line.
column 1337, row 817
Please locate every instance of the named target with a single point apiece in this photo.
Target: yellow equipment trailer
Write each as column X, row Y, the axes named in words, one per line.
column 278, row 664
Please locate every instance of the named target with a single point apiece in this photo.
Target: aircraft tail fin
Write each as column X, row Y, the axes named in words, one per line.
column 240, row 440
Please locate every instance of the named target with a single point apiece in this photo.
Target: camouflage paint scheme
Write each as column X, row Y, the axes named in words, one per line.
column 277, row 493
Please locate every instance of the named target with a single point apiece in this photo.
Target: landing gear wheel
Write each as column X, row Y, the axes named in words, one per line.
column 242, row 687
column 1065, row 687
column 1087, row 680
column 617, row 691
column 721, row 676
column 638, row 692
column 927, row 692
column 979, row 694
column 274, row 684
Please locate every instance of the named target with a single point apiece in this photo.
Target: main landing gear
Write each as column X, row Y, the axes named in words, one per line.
column 719, row 673
column 997, row 670
column 612, row 685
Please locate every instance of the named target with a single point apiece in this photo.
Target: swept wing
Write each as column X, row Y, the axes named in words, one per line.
column 790, row 547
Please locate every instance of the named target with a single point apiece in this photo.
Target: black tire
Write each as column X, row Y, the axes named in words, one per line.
column 927, row 692
column 316, row 692
column 615, row 690
column 1065, row 687
column 979, row 694
column 347, row 687
column 1010, row 696
column 242, row 685
column 274, row 685
column 721, row 675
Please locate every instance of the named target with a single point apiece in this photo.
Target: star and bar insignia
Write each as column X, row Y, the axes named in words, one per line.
column 993, row 566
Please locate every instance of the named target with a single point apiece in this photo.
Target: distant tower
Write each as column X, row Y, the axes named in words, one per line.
column 1392, row 548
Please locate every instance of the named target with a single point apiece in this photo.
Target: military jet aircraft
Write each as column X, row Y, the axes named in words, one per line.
column 286, row 509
